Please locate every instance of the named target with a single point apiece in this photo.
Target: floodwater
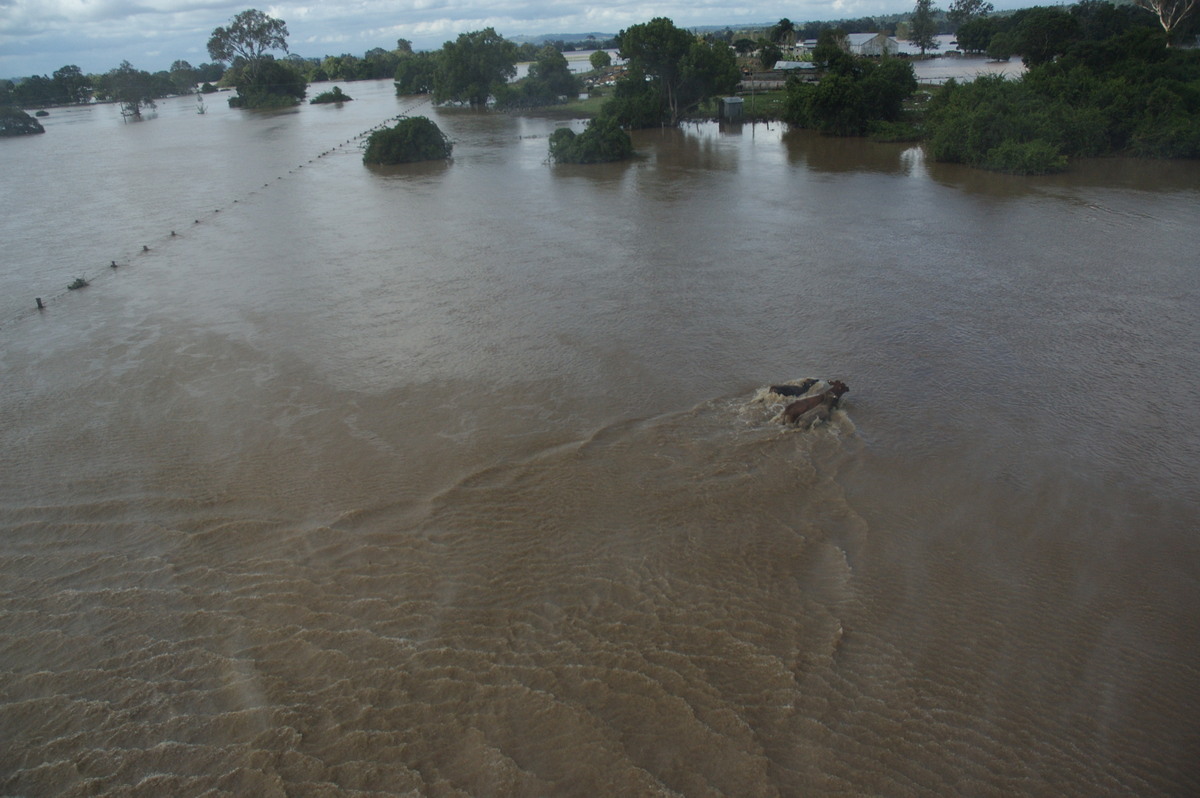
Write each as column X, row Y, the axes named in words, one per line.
column 451, row 479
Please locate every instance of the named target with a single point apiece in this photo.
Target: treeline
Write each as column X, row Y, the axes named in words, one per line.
column 1127, row 93
column 1039, row 34
column 69, row 85
column 1101, row 80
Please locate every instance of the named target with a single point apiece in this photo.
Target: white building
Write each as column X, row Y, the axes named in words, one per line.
column 872, row 44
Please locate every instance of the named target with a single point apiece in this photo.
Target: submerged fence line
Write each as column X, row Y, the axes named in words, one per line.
column 82, row 281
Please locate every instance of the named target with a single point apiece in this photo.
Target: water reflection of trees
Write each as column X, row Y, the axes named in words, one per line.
column 688, row 147
column 845, row 154
column 1138, row 174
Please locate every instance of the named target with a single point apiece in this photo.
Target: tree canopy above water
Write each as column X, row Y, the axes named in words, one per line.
column 683, row 71
column 411, row 139
column 262, row 82
column 471, row 68
column 15, row 122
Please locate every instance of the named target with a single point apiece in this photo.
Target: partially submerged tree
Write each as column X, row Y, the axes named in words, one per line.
column 963, row 11
column 600, row 60
column 15, row 122
column 334, row 95
column 133, row 88
column 855, row 97
column 601, row 142
column 183, row 77
column 415, row 73
column 922, row 27
column 471, row 68
column 273, row 84
column 262, row 82
column 684, row 70
column 411, row 139
column 550, row 81
column 250, row 36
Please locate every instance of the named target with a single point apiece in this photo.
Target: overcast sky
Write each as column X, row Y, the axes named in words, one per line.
column 39, row 36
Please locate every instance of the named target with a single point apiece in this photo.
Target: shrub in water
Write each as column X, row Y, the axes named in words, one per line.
column 1035, row 157
column 604, row 140
column 15, row 122
column 334, row 96
column 412, row 139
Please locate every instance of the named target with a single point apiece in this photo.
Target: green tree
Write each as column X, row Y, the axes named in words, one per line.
column 685, row 70
column 600, row 60
column 783, row 32
column 132, row 88
column 963, row 11
column 209, row 73
column 550, row 81
column 250, row 36
column 183, row 77
column 922, row 27
column 636, row 102
column 853, row 98
column 335, row 95
column 768, row 54
column 656, row 49
column 415, row 73
column 471, row 68
column 1042, row 33
column 71, row 85
column 272, row 84
column 15, row 122
column 833, row 48
column 975, row 35
column 378, row 63
column 601, row 142
column 35, row 90
column 411, row 139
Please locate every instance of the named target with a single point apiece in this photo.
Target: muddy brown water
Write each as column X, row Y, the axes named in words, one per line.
column 450, row 479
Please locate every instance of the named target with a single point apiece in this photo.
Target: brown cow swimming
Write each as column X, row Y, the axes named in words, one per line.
column 822, row 402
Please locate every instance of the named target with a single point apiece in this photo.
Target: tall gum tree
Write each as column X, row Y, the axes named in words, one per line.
column 250, row 36
column 1171, row 13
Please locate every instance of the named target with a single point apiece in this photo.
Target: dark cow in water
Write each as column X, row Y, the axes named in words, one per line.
column 794, row 390
column 822, row 402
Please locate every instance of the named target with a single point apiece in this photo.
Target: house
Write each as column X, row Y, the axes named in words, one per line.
column 863, row 44
column 872, row 44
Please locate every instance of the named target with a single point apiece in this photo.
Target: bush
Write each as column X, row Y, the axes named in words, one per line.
column 636, row 102
column 603, row 141
column 270, row 85
column 15, row 122
column 1035, row 157
column 855, row 95
column 892, row 131
column 334, row 96
column 1128, row 93
column 411, row 139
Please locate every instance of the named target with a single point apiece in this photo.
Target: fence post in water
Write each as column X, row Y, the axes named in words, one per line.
column 39, row 303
